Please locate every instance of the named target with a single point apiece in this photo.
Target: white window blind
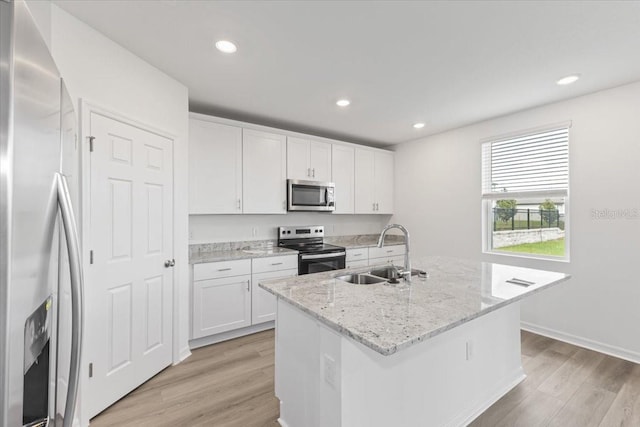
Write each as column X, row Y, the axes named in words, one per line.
column 526, row 165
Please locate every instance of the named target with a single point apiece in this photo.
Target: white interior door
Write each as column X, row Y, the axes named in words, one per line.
column 129, row 289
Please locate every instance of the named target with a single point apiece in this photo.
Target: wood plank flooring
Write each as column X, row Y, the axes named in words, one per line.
column 231, row 384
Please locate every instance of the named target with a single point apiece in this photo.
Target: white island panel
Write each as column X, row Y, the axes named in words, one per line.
column 326, row 379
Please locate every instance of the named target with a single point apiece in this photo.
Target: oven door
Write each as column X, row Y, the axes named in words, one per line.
column 310, row 195
column 316, row 263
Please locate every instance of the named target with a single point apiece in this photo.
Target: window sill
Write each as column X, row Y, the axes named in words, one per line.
column 537, row 257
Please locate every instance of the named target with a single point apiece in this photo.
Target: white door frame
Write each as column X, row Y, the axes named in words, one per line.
column 85, row 109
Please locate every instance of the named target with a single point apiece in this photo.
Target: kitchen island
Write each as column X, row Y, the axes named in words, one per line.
column 435, row 353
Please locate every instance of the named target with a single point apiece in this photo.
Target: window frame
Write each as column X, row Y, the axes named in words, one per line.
column 487, row 199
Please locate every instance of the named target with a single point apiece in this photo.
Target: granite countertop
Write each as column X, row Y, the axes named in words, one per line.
column 227, row 251
column 388, row 318
column 364, row 240
column 214, row 252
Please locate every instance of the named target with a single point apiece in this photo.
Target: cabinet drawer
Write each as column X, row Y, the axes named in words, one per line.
column 386, row 251
column 275, row 263
column 357, row 263
column 215, row 270
column 357, row 254
column 393, row 260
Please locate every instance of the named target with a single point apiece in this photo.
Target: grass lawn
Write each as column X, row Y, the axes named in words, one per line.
column 550, row 247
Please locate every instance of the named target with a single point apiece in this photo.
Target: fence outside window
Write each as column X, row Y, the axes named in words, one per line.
column 526, row 219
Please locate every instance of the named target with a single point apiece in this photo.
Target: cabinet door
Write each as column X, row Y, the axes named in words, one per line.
column 220, row 305
column 298, row 158
column 264, row 172
column 342, row 167
column 320, row 161
column 263, row 303
column 384, row 182
column 215, row 168
column 364, row 181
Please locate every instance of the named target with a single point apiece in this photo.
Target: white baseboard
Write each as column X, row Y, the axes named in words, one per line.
column 282, row 423
column 184, row 353
column 213, row 339
column 611, row 350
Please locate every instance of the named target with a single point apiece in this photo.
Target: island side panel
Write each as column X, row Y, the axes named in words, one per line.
column 440, row 382
column 324, row 378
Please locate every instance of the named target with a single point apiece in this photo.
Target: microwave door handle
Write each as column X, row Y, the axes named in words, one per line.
column 317, row 256
column 326, row 196
column 77, row 284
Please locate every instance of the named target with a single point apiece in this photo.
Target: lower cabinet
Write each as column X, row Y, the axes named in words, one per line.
column 226, row 295
column 358, row 257
column 393, row 255
column 263, row 303
column 220, row 305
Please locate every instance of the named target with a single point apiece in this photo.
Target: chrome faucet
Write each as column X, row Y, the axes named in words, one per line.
column 407, row 260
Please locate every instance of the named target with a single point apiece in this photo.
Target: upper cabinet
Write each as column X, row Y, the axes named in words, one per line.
column 264, row 172
column 308, row 160
column 235, row 170
column 343, row 175
column 215, row 168
column 373, row 181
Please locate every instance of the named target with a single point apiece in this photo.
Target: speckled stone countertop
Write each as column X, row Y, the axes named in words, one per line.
column 227, row 251
column 363, row 240
column 214, row 252
column 389, row 318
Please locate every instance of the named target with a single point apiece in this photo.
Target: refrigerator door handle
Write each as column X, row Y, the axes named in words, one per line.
column 77, row 303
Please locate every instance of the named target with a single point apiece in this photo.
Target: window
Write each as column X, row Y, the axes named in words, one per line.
column 525, row 188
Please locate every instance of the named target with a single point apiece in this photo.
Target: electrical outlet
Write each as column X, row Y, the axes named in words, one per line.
column 330, row 371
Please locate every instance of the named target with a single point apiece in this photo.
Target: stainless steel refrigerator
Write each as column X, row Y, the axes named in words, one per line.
column 40, row 270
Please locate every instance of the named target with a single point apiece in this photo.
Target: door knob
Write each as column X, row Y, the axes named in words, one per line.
column 170, row 263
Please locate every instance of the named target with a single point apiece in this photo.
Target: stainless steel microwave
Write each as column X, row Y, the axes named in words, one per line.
column 310, row 195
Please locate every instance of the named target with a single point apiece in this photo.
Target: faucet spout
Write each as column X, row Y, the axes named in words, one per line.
column 407, row 259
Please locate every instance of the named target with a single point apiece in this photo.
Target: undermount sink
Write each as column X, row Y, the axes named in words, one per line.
column 361, row 279
column 390, row 272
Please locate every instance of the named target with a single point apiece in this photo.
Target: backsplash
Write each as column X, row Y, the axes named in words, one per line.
column 234, row 228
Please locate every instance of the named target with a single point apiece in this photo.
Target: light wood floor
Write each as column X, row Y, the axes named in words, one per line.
column 231, row 384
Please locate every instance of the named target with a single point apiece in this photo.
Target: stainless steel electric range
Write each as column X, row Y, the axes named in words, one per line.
column 314, row 255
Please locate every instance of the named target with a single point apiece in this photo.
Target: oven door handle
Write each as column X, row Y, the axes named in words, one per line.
column 318, row 256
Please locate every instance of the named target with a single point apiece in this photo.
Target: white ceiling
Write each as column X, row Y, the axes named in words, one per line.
column 447, row 64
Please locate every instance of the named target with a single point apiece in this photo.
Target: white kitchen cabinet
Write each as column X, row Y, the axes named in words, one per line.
column 264, row 172
column 215, row 168
column 373, row 181
column 383, row 184
column 342, row 170
column 358, row 257
column 387, row 255
column 221, row 302
column 263, row 303
column 308, row 160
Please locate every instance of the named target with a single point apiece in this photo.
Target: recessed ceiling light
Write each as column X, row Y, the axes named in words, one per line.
column 568, row 79
column 418, row 125
column 343, row 102
column 226, row 46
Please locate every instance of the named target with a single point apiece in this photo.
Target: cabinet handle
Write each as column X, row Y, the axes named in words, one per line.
column 276, row 263
column 374, row 206
column 224, row 269
column 313, row 171
column 309, row 172
column 239, row 204
column 248, row 285
column 377, row 207
column 356, row 255
column 389, row 252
